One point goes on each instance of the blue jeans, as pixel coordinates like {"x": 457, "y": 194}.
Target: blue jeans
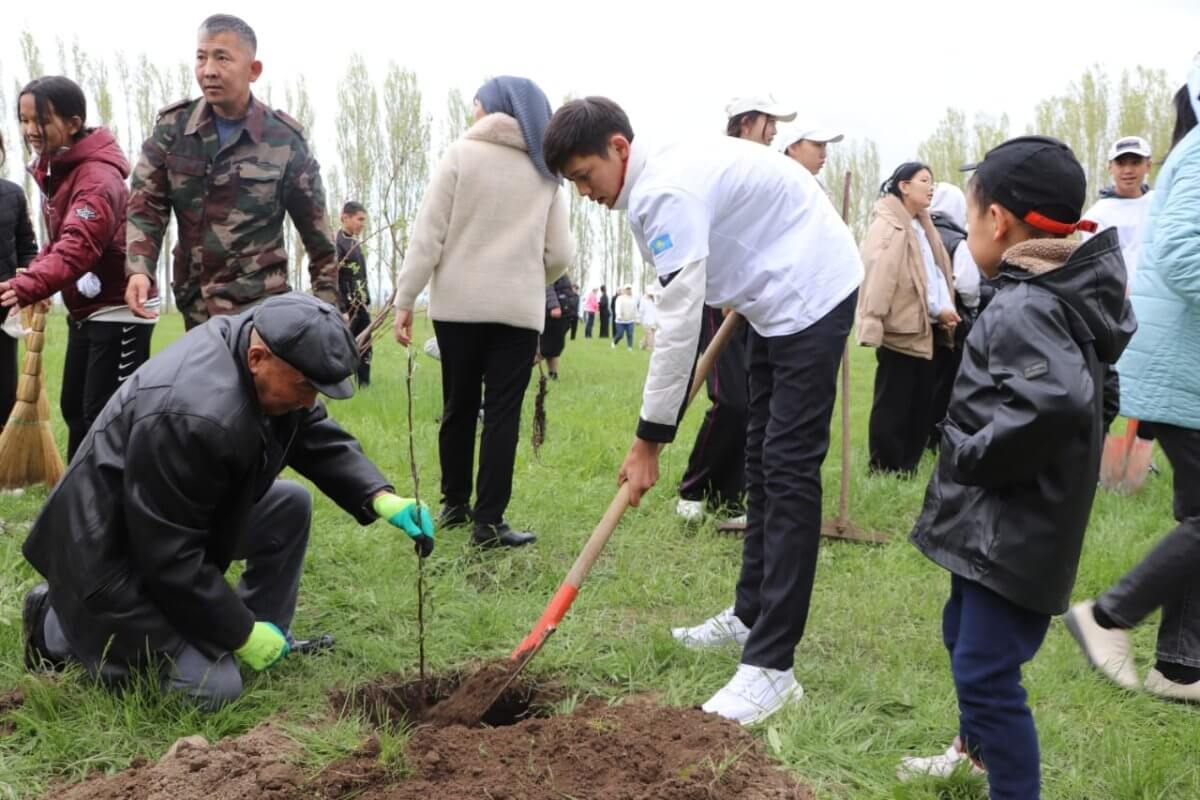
{"x": 623, "y": 329}
{"x": 989, "y": 638}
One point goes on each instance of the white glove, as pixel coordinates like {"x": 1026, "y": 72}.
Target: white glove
{"x": 88, "y": 285}
{"x": 12, "y": 324}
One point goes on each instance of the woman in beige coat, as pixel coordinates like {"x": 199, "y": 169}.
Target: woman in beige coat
{"x": 492, "y": 233}
{"x": 905, "y": 309}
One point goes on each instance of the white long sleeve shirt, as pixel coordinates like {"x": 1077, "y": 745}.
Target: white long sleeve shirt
{"x": 938, "y": 294}
{"x": 737, "y": 227}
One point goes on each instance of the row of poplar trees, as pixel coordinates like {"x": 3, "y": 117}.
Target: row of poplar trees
{"x": 386, "y": 146}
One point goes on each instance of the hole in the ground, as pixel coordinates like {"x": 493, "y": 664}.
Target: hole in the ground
{"x": 391, "y": 701}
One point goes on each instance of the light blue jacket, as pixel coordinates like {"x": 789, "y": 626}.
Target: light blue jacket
{"x": 1160, "y": 370}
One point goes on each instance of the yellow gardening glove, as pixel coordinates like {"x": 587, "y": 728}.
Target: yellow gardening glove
{"x": 266, "y": 647}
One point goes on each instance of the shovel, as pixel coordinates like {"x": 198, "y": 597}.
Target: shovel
{"x": 1125, "y": 461}
{"x": 567, "y": 591}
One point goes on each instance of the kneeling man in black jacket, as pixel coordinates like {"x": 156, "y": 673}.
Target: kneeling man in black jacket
{"x": 1008, "y": 503}
{"x": 177, "y": 478}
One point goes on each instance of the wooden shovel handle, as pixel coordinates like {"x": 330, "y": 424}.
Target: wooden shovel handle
{"x": 565, "y": 596}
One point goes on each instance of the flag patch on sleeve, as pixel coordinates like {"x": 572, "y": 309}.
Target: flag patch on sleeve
{"x": 662, "y": 244}
{"x": 85, "y": 212}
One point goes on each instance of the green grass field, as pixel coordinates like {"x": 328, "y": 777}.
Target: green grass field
{"x": 876, "y": 677}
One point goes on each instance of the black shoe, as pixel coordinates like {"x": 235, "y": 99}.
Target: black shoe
{"x": 33, "y": 622}
{"x": 454, "y": 516}
{"x": 488, "y": 536}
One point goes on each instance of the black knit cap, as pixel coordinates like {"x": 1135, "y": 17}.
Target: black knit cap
{"x": 1039, "y": 180}
{"x": 309, "y": 334}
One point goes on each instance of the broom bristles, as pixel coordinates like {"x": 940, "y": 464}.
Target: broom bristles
{"x": 28, "y": 454}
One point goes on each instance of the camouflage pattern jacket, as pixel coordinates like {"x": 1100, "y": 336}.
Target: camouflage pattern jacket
{"x": 229, "y": 204}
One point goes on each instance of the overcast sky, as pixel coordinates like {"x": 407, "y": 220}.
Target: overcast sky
{"x": 882, "y": 70}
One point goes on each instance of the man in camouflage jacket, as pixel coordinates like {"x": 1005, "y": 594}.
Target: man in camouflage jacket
{"x": 229, "y": 167}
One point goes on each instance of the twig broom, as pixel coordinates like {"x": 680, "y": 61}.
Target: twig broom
{"x": 28, "y": 454}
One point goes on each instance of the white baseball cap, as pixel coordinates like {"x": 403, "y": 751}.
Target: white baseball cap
{"x": 764, "y": 104}
{"x": 1129, "y": 145}
{"x": 786, "y": 138}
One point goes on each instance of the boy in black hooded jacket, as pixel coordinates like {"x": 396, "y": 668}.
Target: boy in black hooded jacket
{"x": 1008, "y": 504}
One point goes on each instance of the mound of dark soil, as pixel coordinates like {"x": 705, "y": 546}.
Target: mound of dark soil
{"x": 627, "y": 752}
{"x": 635, "y": 751}
{"x": 256, "y": 766}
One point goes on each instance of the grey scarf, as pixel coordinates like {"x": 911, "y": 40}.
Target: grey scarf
{"x": 521, "y": 99}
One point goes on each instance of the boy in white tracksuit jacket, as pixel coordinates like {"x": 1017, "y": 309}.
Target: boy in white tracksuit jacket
{"x": 731, "y": 224}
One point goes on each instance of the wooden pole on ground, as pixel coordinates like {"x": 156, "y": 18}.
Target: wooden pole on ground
{"x": 841, "y": 527}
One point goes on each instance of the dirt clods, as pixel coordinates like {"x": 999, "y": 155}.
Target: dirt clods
{"x": 639, "y": 750}
{"x": 625, "y": 752}
{"x": 256, "y": 766}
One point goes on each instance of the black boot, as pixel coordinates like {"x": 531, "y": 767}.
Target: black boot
{"x": 454, "y": 516}
{"x": 501, "y": 535}
{"x": 33, "y": 622}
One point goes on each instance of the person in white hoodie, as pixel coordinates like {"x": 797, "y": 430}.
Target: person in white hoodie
{"x": 730, "y": 224}
{"x": 1126, "y": 203}
{"x": 624, "y": 316}
{"x": 492, "y": 232}
{"x": 948, "y": 211}
{"x": 648, "y": 316}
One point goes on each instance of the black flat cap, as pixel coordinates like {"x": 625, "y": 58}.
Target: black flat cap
{"x": 309, "y": 334}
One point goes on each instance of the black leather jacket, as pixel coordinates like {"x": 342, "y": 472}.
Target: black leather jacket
{"x": 1009, "y": 501}
{"x": 18, "y": 246}
{"x": 136, "y": 537}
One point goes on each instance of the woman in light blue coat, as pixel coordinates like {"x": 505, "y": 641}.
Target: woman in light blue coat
{"x": 1160, "y": 386}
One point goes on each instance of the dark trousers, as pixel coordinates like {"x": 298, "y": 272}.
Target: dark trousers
{"x": 604, "y": 325}
{"x": 8, "y": 374}
{"x": 589, "y": 322}
{"x": 902, "y": 411}
{"x": 1169, "y": 577}
{"x": 272, "y": 540}
{"x": 988, "y": 639}
{"x": 946, "y": 362}
{"x": 495, "y": 361}
{"x": 623, "y": 329}
{"x": 574, "y": 326}
{"x": 716, "y": 468}
{"x": 793, "y": 381}
{"x": 360, "y": 320}
{"x": 100, "y": 356}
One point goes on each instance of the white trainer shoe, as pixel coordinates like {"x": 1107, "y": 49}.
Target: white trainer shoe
{"x": 754, "y": 693}
{"x": 717, "y": 631}
{"x": 1108, "y": 650}
{"x": 939, "y": 766}
{"x": 1161, "y": 686}
{"x": 692, "y": 511}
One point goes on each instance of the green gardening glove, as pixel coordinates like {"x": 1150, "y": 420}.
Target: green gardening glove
{"x": 409, "y": 516}
{"x": 266, "y": 647}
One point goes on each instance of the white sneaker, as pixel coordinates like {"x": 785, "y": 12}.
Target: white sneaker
{"x": 717, "y": 631}
{"x": 691, "y": 510}
{"x": 1161, "y": 686}
{"x": 1108, "y": 650}
{"x": 754, "y": 693}
{"x": 941, "y": 766}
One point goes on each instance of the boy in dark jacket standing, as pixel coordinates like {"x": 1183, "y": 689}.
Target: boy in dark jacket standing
{"x": 1009, "y": 501}
{"x": 353, "y": 292}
